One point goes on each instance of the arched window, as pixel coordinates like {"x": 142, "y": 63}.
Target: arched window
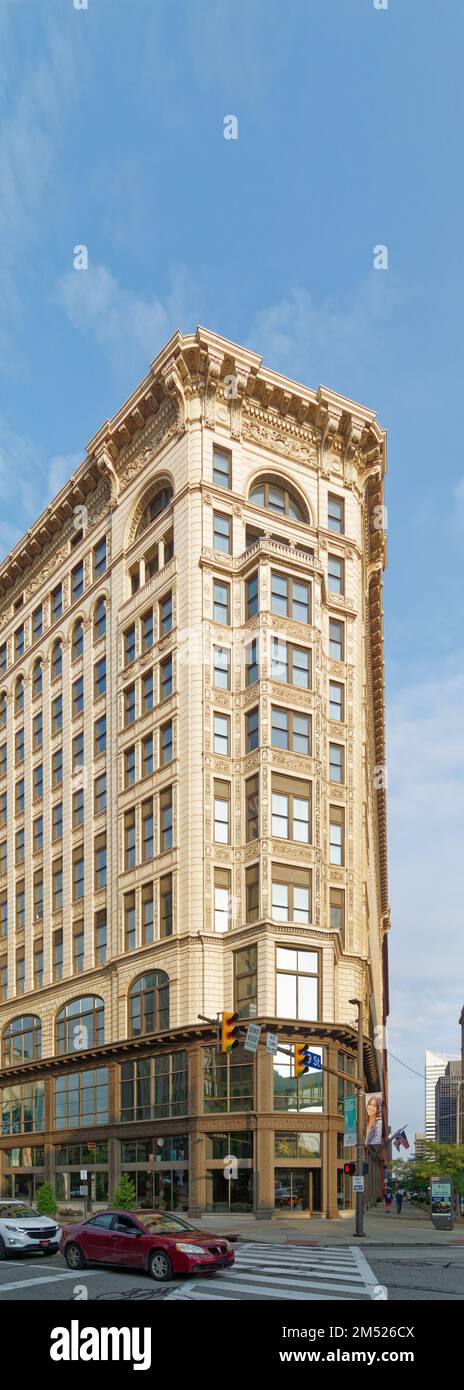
{"x": 19, "y": 696}
{"x": 3, "y": 709}
{"x": 157, "y": 503}
{"x": 149, "y": 1004}
{"x": 276, "y": 496}
{"x": 99, "y": 619}
{"x": 80, "y": 1024}
{"x": 22, "y": 1040}
{"x": 57, "y": 661}
{"x": 77, "y": 640}
{"x": 37, "y": 676}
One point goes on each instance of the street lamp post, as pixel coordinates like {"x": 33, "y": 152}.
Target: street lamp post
{"x": 359, "y": 1122}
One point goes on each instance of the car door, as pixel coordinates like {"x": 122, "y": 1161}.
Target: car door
{"x": 98, "y": 1240}
{"x": 128, "y": 1240}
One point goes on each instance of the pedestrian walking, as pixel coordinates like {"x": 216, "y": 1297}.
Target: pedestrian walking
{"x": 388, "y": 1201}
{"x": 399, "y": 1201}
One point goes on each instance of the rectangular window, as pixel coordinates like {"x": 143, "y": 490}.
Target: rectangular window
{"x": 57, "y": 885}
{"x": 297, "y": 983}
{"x": 166, "y": 820}
{"x": 129, "y": 922}
{"x": 78, "y": 948}
{"x": 3, "y": 857}
{"x": 290, "y": 664}
{"x": 129, "y": 766}
{"x": 291, "y": 731}
{"x": 222, "y": 468}
{"x": 100, "y": 793}
{"x": 165, "y": 614}
{"x": 129, "y": 840}
{"x": 20, "y": 905}
{"x": 222, "y": 532}
{"x": 3, "y": 992}
{"x": 19, "y": 797}
{"x": 166, "y": 678}
{"x": 57, "y": 603}
{"x": 19, "y": 641}
{"x": 337, "y": 910}
{"x": 77, "y": 581}
{"x": 4, "y": 805}
{"x": 19, "y": 846}
{"x": 251, "y": 662}
{"x": 57, "y": 768}
{"x": 147, "y": 831}
{"x": 100, "y": 864}
{"x": 38, "y": 964}
{"x": 221, "y": 734}
{"x": 20, "y": 972}
{"x": 252, "y": 729}
{"x": 37, "y": 623}
{"x": 100, "y": 937}
{"x": 37, "y": 781}
{"x": 99, "y": 558}
{"x": 147, "y": 692}
{"x": 222, "y": 813}
{"x": 228, "y": 1081}
{"x": 129, "y": 645}
{"x": 77, "y": 691}
{"x": 57, "y": 714}
{"x": 77, "y": 752}
{"x": 252, "y": 893}
{"x": 19, "y": 746}
{"x": 147, "y": 915}
{"x": 81, "y": 1099}
{"x": 336, "y": 640}
{"x": 3, "y": 658}
{"x": 290, "y": 598}
{"x": 37, "y": 834}
{"x": 335, "y": 514}
{"x": 291, "y": 894}
{"x": 37, "y": 731}
{"x": 291, "y": 809}
{"x": 3, "y": 913}
{"x": 336, "y": 702}
{"x": 335, "y": 575}
{"x": 246, "y": 982}
{"x": 57, "y": 821}
{"x": 147, "y": 630}
{"x": 147, "y": 756}
{"x": 166, "y": 906}
{"x": 252, "y": 808}
{"x": 221, "y": 668}
{"x": 78, "y": 873}
{"x": 99, "y": 678}
{"x": 222, "y": 900}
{"x": 252, "y": 596}
{"x": 336, "y": 762}
{"x": 3, "y": 760}
{"x": 57, "y": 954}
{"x": 166, "y": 739}
{"x": 221, "y": 602}
{"x": 100, "y": 736}
{"x": 337, "y": 835}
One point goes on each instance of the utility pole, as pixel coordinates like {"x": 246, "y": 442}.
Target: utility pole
{"x": 359, "y": 1122}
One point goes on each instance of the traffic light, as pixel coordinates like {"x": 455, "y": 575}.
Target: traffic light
{"x": 301, "y": 1059}
{"x": 349, "y": 1169}
{"x": 229, "y": 1038}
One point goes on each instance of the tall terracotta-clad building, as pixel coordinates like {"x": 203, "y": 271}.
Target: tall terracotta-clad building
{"x": 192, "y": 795}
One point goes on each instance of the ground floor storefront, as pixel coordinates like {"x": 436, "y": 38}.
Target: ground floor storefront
{"x": 193, "y": 1129}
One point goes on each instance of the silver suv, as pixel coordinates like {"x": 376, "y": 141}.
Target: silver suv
{"x": 23, "y": 1228}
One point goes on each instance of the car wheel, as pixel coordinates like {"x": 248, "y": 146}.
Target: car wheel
{"x": 2, "y": 1249}
{"x": 159, "y": 1266}
{"x": 74, "y": 1257}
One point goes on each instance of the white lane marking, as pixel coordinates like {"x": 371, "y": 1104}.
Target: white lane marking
{"x": 367, "y": 1274}
{"x": 79, "y": 1275}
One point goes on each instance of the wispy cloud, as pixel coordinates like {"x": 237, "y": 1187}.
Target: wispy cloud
{"x": 30, "y": 128}
{"x": 129, "y": 327}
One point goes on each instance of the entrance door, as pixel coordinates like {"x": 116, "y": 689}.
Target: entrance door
{"x": 24, "y": 1186}
{"x": 298, "y": 1189}
{"x": 233, "y": 1195}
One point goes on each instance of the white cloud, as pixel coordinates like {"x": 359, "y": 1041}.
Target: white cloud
{"x": 326, "y": 341}
{"x": 30, "y": 128}
{"x": 129, "y": 327}
{"x": 60, "y": 469}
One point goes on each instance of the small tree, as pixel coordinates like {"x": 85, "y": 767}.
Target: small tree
{"x": 124, "y": 1194}
{"x": 45, "y": 1201}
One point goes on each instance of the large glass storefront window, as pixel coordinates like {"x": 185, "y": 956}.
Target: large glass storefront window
{"x": 81, "y": 1099}
{"x": 158, "y": 1168}
{"x": 23, "y": 1172}
{"x": 155, "y": 1088}
{"x": 298, "y": 1189}
{"x": 23, "y": 1108}
{"x": 228, "y": 1080}
{"x": 70, "y": 1160}
{"x": 297, "y": 1093}
{"x": 229, "y": 1173}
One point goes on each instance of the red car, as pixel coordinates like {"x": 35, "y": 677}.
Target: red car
{"x": 159, "y": 1242}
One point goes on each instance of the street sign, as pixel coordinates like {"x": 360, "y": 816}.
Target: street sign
{"x": 83, "y": 1190}
{"x": 83, "y": 1175}
{"x": 272, "y": 1043}
{"x": 349, "y": 1122}
{"x": 314, "y": 1061}
{"x": 358, "y": 1184}
{"x": 252, "y": 1037}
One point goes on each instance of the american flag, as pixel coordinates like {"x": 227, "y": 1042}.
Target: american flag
{"x": 401, "y": 1141}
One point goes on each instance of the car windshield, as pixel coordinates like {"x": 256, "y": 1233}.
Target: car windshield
{"x": 163, "y": 1223}
{"x": 18, "y": 1210}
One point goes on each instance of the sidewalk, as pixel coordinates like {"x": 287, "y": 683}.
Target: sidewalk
{"x": 411, "y": 1228}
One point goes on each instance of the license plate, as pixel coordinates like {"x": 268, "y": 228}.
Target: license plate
{"x": 44, "y": 1242}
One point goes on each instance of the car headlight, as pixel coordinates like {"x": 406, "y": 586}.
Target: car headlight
{"x": 191, "y": 1249}
{"x": 17, "y": 1229}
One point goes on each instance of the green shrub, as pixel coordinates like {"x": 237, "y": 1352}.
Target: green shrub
{"x": 124, "y": 1194}
{"x": 45, "y": 1201}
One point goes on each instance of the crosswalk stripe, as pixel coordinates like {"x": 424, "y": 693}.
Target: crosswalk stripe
{"x": 269, "y": 1271}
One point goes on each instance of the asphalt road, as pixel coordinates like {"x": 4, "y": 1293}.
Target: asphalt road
{"x": 411, "y": 1274}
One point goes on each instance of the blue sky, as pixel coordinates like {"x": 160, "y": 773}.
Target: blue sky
{"x": 349, "y": 136}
